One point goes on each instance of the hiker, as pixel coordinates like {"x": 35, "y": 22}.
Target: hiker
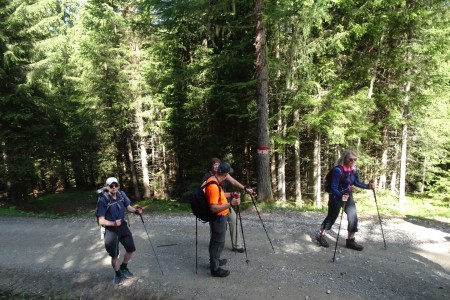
{"x": 111, "y": 215}
{"x": 219, "y": 205}
{"x": 213, "y": 166}
{"x": 341, "y": 191}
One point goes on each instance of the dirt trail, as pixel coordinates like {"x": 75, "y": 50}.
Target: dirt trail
{"x": 65, "y": 259}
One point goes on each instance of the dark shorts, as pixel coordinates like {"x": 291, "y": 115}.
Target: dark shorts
{"x": 116, "y": 235}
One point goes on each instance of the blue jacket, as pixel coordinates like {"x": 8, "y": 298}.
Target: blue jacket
{"x": 113, "y": 209}
{"x": 340, "y": 187}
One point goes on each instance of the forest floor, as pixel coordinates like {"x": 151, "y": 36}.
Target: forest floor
{"x": 65, "y": 259}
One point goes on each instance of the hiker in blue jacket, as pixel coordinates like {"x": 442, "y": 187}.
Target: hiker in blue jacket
{"x": 111, "y": 214}
{"x": 344, "y": 177}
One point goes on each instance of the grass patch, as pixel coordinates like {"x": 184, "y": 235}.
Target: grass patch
{"x": 73, "y": 203}
{"x": 14, "y": 212}
{"x": 50, "y": 201}
{"x": 389, "y": 205}
{"x": 163, "y": 206}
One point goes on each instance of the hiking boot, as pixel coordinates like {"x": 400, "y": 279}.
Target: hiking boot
{"x": 240, "y": 250}
{"x": 321, "y": 239}
{"x": 351, "y": 244}
{"x": 222, "y": 262}
{"x": 126, "y": 273}
{"x": 220, "y": 273}
{"x": 118, "y": 280}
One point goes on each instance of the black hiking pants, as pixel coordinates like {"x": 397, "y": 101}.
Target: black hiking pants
{"x": 217, "y": 241}
{"x": 334, "y": 208}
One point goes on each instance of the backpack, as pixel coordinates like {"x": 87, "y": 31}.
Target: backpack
{"x": 327, "y": 178}
{"x": 200, "y": 205}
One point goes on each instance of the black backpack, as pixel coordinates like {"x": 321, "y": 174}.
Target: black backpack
{"x": 200, "y": 205}
{"x": 327, "y": 178}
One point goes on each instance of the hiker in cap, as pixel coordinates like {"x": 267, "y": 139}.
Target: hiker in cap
{"x": 229, "y": 180}
{"x": 344, "y": 177}
{"x": 111, "y": 215}
{"x": 220, "y": 206}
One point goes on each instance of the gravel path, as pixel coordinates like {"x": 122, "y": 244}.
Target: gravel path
{"x": 65, "y": 259}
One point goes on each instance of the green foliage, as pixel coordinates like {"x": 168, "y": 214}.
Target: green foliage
{"x": 75, "y": 76}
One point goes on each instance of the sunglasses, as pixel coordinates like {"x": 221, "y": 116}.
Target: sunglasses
{"x": 113, "y": 185}
{"x": 352, "y": 159}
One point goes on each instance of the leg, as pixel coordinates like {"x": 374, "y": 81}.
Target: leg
{"x": 112, "y": 247}
{"x": 127, "y": 257}
{"x": 334, "y": 206}
{"x": 128, "y": 243}
{"x": 233, "y": 230}
{"x": 352, "y": 217}
{"x": 216, "y": 245}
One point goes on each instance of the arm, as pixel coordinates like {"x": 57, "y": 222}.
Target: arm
{"x": 336, "y": 183}
{"x": 237, "y": 184}
{"x": 127, "y": 202}
{"x": 216, "y": 208}
{"x": 217, "y": 200}
{"x": 102, "y": 221}
{"x": 360, "y": 184}
{"x": 136, "y": 210}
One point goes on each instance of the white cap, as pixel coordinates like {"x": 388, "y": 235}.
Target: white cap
{"x": 112, "y": 180}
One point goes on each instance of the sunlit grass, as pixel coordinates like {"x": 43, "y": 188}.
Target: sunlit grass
{"x": 388, "y": 205}
{"x": 163, "y": 206}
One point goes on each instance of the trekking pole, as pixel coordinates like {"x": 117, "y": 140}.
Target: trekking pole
{"x": 254, "y": 203}
{"x": 236, "y": 233}
{"x": 337, "y": 238}
{"x": 243, "y": 238}
{"x": 196, "y": 243}
{"x": 381, "y": 225}
{"x": 154, "y": 252}
{"x": 116, "y": 252}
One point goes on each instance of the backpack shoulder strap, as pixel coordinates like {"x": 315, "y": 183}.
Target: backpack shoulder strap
{"x": 342, "y": 172}
{"x": 120, "y": 196}
{"x": 108, "y": 201}
{"x": 213, "y": 182}
{"x": 209, "y": 183}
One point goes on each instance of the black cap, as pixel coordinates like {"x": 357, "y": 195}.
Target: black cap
{"x": 225, "y": 168}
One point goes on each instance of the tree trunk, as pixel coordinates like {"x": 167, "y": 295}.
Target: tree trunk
{"x": 317, "y": 175}
{"x": 394, "y": 190}
{"x": 422, "y": 188}
{"x": 281, "y": 169}
{"x": 133, "y": 172}
{"x": 78, "y": 172}
{"x": 135, "y": 60}
{"x": 402, "y": 185}
{"x": 264, "y": 183}
{"x": 298, "y": 186}
{"x": 384, "y": 162}
{"x": 143, "y": 150}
